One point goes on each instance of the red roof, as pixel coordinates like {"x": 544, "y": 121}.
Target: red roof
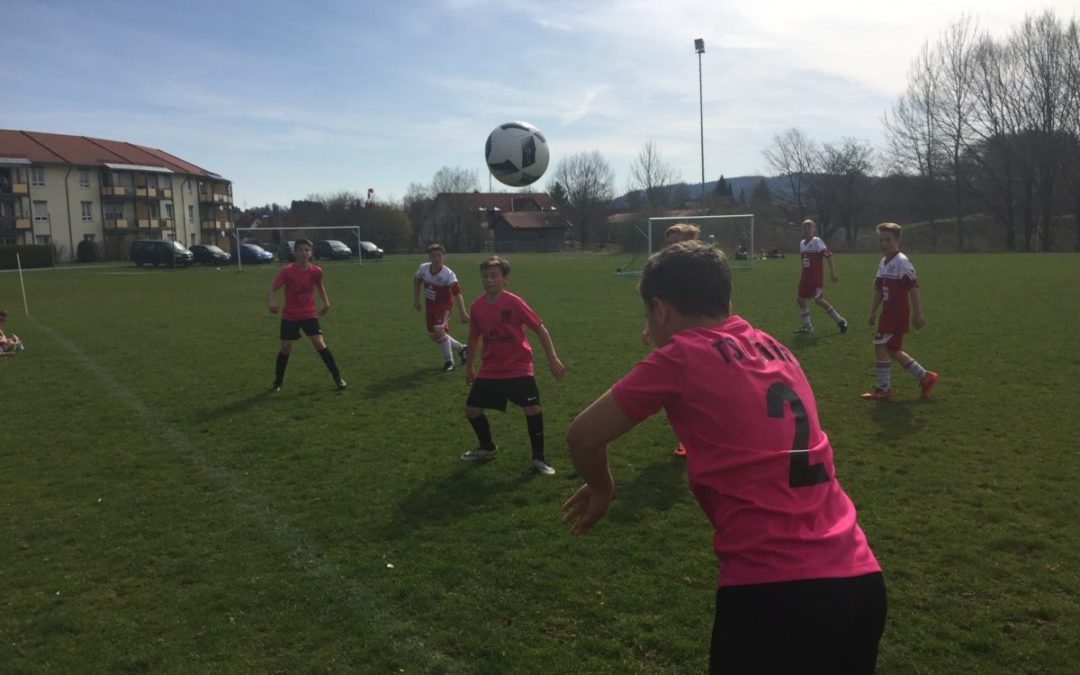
{"x": 533, "y": 220}
{"x": 45, "y": 148}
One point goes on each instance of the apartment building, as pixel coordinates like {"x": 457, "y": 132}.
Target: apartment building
{"x": 59, "y": 189}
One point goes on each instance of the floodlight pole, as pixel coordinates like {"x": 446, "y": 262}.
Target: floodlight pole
{"x": 699, "y": 47}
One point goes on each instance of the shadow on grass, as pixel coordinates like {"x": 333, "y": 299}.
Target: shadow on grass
{"x": 401, "y": 382}
{"x": 237, "y": 406}
{"x": 658, "y": 487}
{"x": 893, "y": 418}
{"x": 468, "y": 489}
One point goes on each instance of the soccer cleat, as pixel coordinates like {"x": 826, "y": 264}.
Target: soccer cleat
{"x": 679, "y": 451}
{"x": 878, "y": 394}
{"x": 479, "y": 454}
{"x": 926, "y": 384}
{"x": 543, "y": 467}
{"x": 448, "y": 366}
{"x": 464, "y": 354}
{"x": 805, "y": 329}
{"x": 341, "y": 384}
{"x": 276, "y": 386}
{"x": 843, "y": 327}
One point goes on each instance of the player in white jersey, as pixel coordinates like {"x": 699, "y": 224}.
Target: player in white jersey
{"x": 441, "y": 290}
{"x": 813, "y": 252}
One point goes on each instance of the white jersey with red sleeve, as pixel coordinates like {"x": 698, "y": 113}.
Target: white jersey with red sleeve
{"x": 758, "y": 461}
{"x": 439, "y": 286}
{"x": 895, "y": 278}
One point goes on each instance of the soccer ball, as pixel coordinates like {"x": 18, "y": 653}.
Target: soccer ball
{"x": 516, "y": 153}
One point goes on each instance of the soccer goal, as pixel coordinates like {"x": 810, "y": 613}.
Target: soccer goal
{"x": 733, "y": 234}
{"x": 285, "y": 230}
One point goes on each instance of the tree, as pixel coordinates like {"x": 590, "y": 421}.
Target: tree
{"x": 652, "y": 176}
{"x": 792, "y": 156}
{"x": 454, "y": 224}
{"x": 588, "y": 181}
{"x": 723, "y": 196}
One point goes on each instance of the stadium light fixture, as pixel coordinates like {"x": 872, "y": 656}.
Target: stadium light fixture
{"x": 699, "y": 47}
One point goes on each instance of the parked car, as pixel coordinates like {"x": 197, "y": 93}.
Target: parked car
{"x": 209, "y": 254}
{"x": 250, "y": 254}
{"x": 160, "y": 252}
{"x": 332, "y": 249}
{"x": 370, "y": 250}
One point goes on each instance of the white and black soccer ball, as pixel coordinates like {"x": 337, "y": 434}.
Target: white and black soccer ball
{"x": 516, "y": 154}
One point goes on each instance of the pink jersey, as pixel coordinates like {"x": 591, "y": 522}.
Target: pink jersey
{"x": 299, "y": 290}
{"x": 813, "y": 251}
{"x": 895, "y": 277}
{"x": 440, "y": 286}
{"x": 501, "y": 324}
{"x": 758, "y": 462}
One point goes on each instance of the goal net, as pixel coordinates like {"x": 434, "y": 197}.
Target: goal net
{"x": 733, "y": 234}
{"x": 350, "y": 236}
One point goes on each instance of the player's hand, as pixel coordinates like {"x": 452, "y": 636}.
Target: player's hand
{"x": 324, "y": 310}
{"x": 416, "y": 305}
{"x": 918, "y": 321}
{"x": 585, "y": 508}
{"x": 835, "y": 278}
{"x": 871, "y": 320}
{"x": 558, "y": 369}
{"x": 470, "y": 374}
{"x": 274, "y": 309}
{"x": 464, "y": 318}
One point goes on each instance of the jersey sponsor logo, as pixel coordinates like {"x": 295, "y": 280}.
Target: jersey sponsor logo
{"x": 506, "y": 315}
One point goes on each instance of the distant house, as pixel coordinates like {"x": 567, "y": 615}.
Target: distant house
{"x": 505, "y": 222}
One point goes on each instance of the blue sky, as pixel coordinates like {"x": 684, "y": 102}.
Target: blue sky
{"x": 287, "y": 100}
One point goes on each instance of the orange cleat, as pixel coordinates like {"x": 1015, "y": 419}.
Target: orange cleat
{"x": 679, "y": 451}
{"x": 877, "y": 394}
{"x": 926, "y": 385}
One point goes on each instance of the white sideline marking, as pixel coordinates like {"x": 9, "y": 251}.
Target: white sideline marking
{"x": 306, "y": 556}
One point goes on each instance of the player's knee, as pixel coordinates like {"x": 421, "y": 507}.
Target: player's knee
{"x": 473, "y": 413}
{"x": 531, "y": 410}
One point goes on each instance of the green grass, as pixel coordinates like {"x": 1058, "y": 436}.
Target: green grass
{"x": 159, "y": 511}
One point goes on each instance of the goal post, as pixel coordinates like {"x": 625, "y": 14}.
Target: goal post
{"x": 240, "y": 265}
{"x": 733, "y": 234}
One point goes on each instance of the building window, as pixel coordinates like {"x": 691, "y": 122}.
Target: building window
{"x": 114, "y": 211}
{"x": 84, "y": 178}
{"x": 37, "y": 176}
{"x": 191, "y": 214}
{"x": 87, "y": 211}
{"x": 43, "y": 239}
{"x": 169, "y": 211}
{"x": 41, "y": 212}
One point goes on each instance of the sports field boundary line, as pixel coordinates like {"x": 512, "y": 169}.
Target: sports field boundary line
{"x": 402, "y": 637}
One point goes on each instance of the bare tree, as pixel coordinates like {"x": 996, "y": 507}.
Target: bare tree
{"x": 913, "y": 136}
{"x": 651, "y": 175}
{"x": 589, "y": 184}
{"x": 1072, "y": 120}
{"x": 453, "y": 222}
{"x": 841, "y": 187}
{"x": 792, "y": 156}
{"x": 954, "y": 104}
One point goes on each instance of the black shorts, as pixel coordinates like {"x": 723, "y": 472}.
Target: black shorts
{"x": 809, "y": 626}
{"x": 488, "y": 393}
{"x": 290, "y": 329}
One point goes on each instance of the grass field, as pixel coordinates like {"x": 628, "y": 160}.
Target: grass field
{"x": 161, "y": 511}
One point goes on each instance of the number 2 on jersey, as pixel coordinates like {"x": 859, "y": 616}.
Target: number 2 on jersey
{"x": 801, "y": 472}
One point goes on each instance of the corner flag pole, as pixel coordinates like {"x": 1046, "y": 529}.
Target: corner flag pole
{"x": 26, "y": 307}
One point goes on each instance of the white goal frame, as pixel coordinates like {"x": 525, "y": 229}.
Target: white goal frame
{"x": 238, "y": 230}
{"x": 667, "y": 221}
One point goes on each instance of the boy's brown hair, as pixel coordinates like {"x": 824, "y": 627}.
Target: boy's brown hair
{"x": 891, "y": 228}
{"x": 303, "y": 242}
{"x": 693, "y": 278}
{"x": 496, "y": 261}
{"x": 686, "y": 231}
{"x": 436, "y": 247}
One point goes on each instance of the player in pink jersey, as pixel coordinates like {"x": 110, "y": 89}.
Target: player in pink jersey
{"x": 441, "y": 289}
{"x": 811, "y": 284}
{"x": 799, "y": 589}
{"x": 894, "y": 285}
{"x": 301, "y": 280}
{"x": 499, "y": 318}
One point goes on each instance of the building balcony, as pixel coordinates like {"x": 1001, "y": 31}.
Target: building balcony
{"x": 8, "y": 188}
{"x": 155, "y": 223}
{"x": 117, "y": 224}
{"x": 216, "y": 225}
{"x": 117, "y": 191}
{"x": 215, "y": 198}
{"x": 14, "y": 223}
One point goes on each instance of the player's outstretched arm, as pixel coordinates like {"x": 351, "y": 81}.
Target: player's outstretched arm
{"x": 416, "y": 292}
{"x": 470, "y": 365}
{"x": 557, "y": 367}
{"x": 587, "y": 439}
{"x": 462, "y": 313}
{"x": 832, "y": 269}
{"x": 873, "y": 308}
